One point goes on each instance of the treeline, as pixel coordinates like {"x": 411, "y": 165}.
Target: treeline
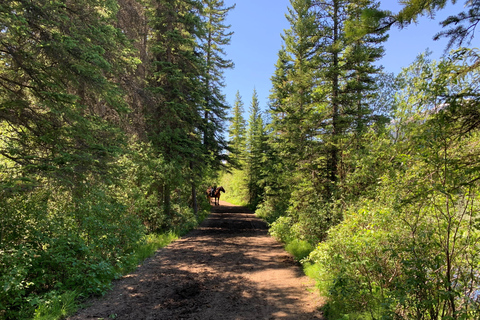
{"x": 370, "y": 179}
{"x": 110, "y": 124}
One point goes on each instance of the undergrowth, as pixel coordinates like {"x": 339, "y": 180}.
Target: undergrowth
{"x": 59, "y": 305}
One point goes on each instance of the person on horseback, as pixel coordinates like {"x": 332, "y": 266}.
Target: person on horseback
{"x": 212, "y": 192}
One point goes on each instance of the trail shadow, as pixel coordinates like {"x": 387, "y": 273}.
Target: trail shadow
{"x": 214, "y": 272}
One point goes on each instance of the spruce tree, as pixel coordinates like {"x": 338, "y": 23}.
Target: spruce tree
{"x": 255, "y": 147}
{"x": 216, "y": 36}
{"x": 298, "y": 112}
{"x": 319, "y": 105}
{"x": 237, "y": 131}
{"x": 345, "y": 76}
{"x": 293, "y": 102}
{"x": 58, "y": 102}
{"x": 174, "y": 121}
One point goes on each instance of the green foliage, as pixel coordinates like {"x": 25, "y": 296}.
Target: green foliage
{"x": 411, "y": 251}
{"x": 216, "y": 37}
{"x": 300, "y": 249}
{"x": 255, "y": 144}
{"x": 77, "y": 81}
{"x": 152, "y": 243}
{"x": 235, "y": 185}
{"x": 237, "y": 131}
{"x": 354, "y": 265}
{"x": 322, "y": 117}
{"x": 58, "y": 307}
{"x": 282, "y": 230}
{"x": 65, "y": 244}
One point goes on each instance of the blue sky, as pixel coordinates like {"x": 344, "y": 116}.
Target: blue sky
{"x": 258, "y": 24}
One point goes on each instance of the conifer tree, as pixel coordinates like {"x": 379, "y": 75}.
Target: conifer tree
{"x": 346, "y": 75}
{"x": 58, "y": 104}
{"x": 293, "y": 102}
{"x": 237, "y": 130}
{"x": 331, "y": 16}
{"x": 174, "y": 121}
{"x": 255, "y": 147}
{"x": 297, "y": 111}
{"x": 278, "y": 167}
{"x": 216, "y": 36}
{"x": 319, "y": 106}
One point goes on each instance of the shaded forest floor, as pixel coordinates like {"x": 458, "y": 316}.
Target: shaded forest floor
{"x": 227, "y": 268}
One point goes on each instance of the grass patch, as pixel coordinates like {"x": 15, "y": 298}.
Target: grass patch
{"x": 312, "y": 270}
{"x": 58, "y": 307}
{"x": 153, "y": 242}
{"x": 234, "y": 201}
{"x": 299, "y": 248}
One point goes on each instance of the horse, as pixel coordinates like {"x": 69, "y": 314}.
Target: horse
{"x": 216, "y": 194}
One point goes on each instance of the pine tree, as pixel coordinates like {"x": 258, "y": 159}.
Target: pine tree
{"x": 319, "y": 105}
{"x": 331, "y": 17}
{"x": 174, "y": 121}
{"x": 362, "y": 52}
{"x": 237, "y": 131}
{"x": 298, "y": 112}
{"x": 58, "y": 103}
{"x": 216, "y": 37}
{"x": 255, "y": 146}
{"x": 293, "y": 103}
{"x": 346, "y": 76}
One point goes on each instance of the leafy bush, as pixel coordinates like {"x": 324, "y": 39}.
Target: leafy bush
{"x": 281, "y": 229}
{"x": 354, "y": 265}
{"x": 62, "y": 245}
{"x": 394, "y": 264}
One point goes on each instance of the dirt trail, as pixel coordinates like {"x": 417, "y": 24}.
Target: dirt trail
{"x": 227, "y": 268}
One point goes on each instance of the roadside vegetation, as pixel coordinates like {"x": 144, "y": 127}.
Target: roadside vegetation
{"x": 109, "y": 111}
{"x": 370, "y": 179}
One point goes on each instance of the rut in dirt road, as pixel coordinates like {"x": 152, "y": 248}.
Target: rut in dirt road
{"x": 227, "y": 268}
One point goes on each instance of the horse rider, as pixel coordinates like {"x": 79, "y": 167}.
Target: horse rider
{"x": 212, "y": 192}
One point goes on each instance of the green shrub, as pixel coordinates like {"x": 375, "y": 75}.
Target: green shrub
{"x": 382, "y": 263}
{"x": 281, "y": 229}
{"x": 300, "y": 249}
{"x": 354, "y": 267}
{"x": 62, "y": 245}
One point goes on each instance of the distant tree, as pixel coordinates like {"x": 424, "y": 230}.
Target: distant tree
{"x": 237, "y": 130}
{"x": 255, "y": 146}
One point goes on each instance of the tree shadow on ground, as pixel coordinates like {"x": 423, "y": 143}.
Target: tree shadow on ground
{"x": 208, "y": 275}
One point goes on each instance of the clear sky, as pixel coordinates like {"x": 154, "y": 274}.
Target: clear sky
{"x": 258, "y": 24}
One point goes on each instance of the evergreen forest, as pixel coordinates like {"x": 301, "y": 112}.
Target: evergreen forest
{"x": 113, "y": 124}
